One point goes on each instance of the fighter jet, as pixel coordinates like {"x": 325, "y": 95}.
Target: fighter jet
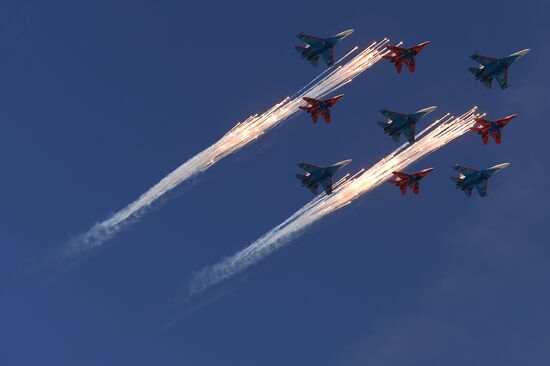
{"x": 494, "y": 68}
{"x": 487, "y": 128}
{"x": 402, "y": 123}
{"x": 405, "y": 56}
{"x": 470, "y": 178}
{"x": 402, "y": 180}
{"x": 319, "y": 175}
{"x": 320, "y": 47}
{"x": 322, "y": 107}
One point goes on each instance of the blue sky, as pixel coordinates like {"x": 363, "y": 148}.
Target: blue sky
{"x": 102, "y": 99}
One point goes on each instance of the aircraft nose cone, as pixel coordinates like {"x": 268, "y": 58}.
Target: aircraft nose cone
{"x": 521, "y": 53}
{"x": 428, "y": 110}
{"x": 344, "y": 163}
{"x": 501, "y": 166}
{"x": 345, "y": 33}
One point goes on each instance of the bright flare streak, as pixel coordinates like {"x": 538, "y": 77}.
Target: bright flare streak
{"x": 437, "y": 135}
{"x": 238, "y": 137}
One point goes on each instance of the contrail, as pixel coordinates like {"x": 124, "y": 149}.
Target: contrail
{"x": 238, "y": 137}
{"x": 346, "y": 190}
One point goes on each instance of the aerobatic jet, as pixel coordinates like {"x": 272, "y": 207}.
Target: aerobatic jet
{"x": 405, "y": 56}
{"x": 402, "y": 180}
{"x": 402, "y": 123}
{"x": 322, "y": 107}
{"x": 471, "y": 178}
{"x": 493, "y": 129}
{"x": 320, "y": 47}
{"x": 494, "y": 68}
{"x": 319, "y": 175}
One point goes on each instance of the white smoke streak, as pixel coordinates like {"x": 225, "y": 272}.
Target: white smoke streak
{"x": 438, "y": 134}
{"x": 238, "y": 137}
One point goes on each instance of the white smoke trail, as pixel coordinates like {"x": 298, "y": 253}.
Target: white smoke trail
{"x": 346, "y": 190}
{"x": 238, "y": 137}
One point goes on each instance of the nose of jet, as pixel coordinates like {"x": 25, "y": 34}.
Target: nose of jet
{"x": 428, "y": 110}
{"x": 424, "y": 44}
{"x": 498, "y": 167}
{"x": 343, "y": 163}
{"x": 345, "y": 33}
{"x": 521, "y": 53}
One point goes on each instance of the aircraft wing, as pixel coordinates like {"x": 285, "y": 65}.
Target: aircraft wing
{"x": 391, "y": 115}
{"x": 310, "y": 168}
{"x": 482, "y": 188}
{"x": 464, "y": 170}
{"x": 502, "y": 78}
{"x": 408, "y": 131}
{"x": 483, "y": 121}
{"x": 311, "y": 101}
{"x": 395, "y": 49}
{"x": 483, "y": 60}
{"x": 328, "y": 56}
{"x": 401, "y": 175}
{"x": 327, "y": 184}
{"x": 310, "y": 40}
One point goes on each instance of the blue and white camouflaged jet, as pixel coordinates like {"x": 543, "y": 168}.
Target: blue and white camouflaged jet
{"x": 319, "y": 175}
{"x": 494, "y": 68}
{"x": 471, "y": 178}
{"x": 403, "y": 123}
{"x": 320, "y": 47}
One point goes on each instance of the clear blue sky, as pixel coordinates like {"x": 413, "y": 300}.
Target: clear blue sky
{"x": 100, "y": 99}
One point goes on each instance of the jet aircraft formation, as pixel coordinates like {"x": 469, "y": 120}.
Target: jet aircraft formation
{"x": 400, "y": 123}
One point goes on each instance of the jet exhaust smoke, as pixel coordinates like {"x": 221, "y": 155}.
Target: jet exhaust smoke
{"x": 346, "y": 190}
{"x": 238, "y": 137}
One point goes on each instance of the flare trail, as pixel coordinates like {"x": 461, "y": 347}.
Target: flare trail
{"x": 238, "y": 137}
{"x": 348, "y": 189}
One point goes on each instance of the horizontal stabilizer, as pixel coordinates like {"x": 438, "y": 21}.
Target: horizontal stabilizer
{"x": 301, "y": 177}
{"x": 383, "y": 124}
{"x": 474, "y": 70}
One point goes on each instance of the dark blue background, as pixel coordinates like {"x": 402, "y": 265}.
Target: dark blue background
{"x": 99, "y": 100}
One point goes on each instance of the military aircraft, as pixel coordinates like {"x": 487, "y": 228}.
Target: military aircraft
{"x": 320, "y": 47}
{"x": 487, "y": 128}
{"x": 494, "y": 68}
{"x": 322, "y": 107}
{"x": 402, "y": 180}
{"x": 470, "y": 178}
{"x": 405, "y": 56}
{"x": 402, "y": 123}
{"x": 319, "y": 175}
